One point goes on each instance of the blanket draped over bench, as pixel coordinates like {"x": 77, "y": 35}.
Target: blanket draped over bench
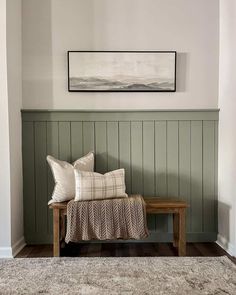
{"x": 123, "y": 218}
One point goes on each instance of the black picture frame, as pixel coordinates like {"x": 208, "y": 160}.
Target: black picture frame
{"x": 173, "y": 89}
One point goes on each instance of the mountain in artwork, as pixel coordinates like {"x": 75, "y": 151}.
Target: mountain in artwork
{"x": 120, "y": 83}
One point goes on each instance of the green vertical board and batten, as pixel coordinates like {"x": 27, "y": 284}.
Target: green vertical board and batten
{"x": 216, "y": 174}
{"x": 64, "y": 141}
{"x": 164, "y": 153}
{"x": 112, "y": 145}
{"x": 101, "y": 147}
{"x": 88, "y": 137}
{"x": 172, "y": 159}
{"x": 149, "y": 165}
{"x": 172, "y": 164}
{"x": 196, "y": 176}
{"x": 185, "y": 164}
{"x": 161, "y": 169}
{"x": 76, "y": 133}
{"x": 208, "y": 176}
{"x": 125, "y": 152}
{"x": 29, "y": 179}
{"x": 52, "y": 149}
{"x": 40, "y": 143}
{"x": 137, "y": 157}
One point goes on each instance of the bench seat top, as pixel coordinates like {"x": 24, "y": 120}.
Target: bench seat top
{"x": 151, "y": 202}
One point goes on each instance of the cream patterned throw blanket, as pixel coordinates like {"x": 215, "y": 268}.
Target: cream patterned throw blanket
{"x": 123, "y": 218}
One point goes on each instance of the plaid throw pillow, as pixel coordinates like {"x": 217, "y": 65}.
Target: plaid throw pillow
{"x": 95, "y": 186}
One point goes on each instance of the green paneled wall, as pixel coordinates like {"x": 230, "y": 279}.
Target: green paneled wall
{"x": 164, "y": 153}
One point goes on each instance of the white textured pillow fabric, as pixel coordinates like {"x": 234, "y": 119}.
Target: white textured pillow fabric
{"x": 96, "y": 186}
{"x": 63, "y": 173}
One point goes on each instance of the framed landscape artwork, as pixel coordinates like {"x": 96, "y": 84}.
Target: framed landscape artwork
{"x": 120, "y": 71}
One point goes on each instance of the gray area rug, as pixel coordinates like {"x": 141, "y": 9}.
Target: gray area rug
{"x": 125, "y": 275}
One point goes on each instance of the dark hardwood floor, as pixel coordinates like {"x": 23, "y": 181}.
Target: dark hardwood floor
{"x": 123, "y": 249}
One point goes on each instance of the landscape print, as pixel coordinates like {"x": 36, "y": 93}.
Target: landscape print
{"x": 121, "y": 71}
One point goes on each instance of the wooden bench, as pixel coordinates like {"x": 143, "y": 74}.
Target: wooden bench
{"x": 153, "y": 206}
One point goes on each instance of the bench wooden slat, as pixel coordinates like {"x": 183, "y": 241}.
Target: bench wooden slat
{"x": 154, "y": 202}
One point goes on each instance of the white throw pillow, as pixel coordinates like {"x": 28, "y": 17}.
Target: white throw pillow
{"x": 63, "y": 173}
{"x": 95, "y": 186}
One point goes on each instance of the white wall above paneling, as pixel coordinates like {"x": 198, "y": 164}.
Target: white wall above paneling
{"x": 227, "y": 103}
{"x": 5, "y": 190}
{"x": 51, "y": 27}
{"x": 14, "y": 76}
{"x": 11, "y": 191}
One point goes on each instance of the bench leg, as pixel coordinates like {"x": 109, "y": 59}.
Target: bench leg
{"x": 175, "y": 229}
{"x": 182, "y": 234}
{"x": 56, "y": 232}
{"x": 63, "y": 230}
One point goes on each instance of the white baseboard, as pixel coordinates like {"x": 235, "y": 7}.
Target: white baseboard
{"x": 10, "y": 252}
{"x": 6, "y": 252}
{"x": 226, "y": 245}
{"x": 18, "y": 246}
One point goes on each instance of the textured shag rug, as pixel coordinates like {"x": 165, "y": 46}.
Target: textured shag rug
{"x": 124, "y": 275}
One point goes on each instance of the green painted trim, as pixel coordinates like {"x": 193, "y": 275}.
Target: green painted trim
{"x": 154, "y": 237}
{"x": 39, "y": 239}
{"x": 165, "y": 153}
{"x": 119, "y": 115}
{"x": 115, "y": 110}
